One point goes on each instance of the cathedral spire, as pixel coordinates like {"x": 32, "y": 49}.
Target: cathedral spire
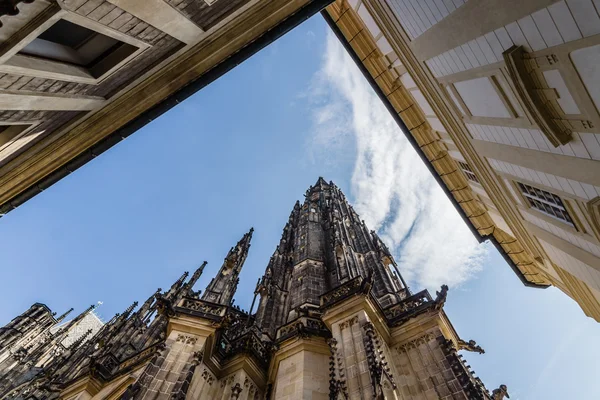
{"x": 63, "y": 316}
{"x": 197, "y": 274}
{"x": 82, "y": 315}
{"x": 176, "y": 286}
{"x": 222, "y": 288}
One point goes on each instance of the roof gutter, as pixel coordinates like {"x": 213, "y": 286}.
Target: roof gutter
{"x": 481, "y": 238}
{"x": 171, "y": 101}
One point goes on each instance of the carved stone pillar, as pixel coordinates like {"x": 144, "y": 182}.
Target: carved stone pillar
{"x": 361, "y": 365}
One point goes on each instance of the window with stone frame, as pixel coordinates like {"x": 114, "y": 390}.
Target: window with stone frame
{"x": 466, "y": 168}
{"x": 546, "y": 202}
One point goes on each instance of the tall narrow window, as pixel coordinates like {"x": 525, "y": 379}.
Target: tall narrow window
{"x": 468, "y": 171}
{"x": 546, "y": 202}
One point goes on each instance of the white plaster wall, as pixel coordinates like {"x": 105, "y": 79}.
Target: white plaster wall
{"x": 582, "y": 145}
{"x": 417, "y": 16}
{"x": 559, "y": 23}
{"x": 563, "y": 234}
{"x": 587, "y": 63}
{"x": 577, "y": 268}
{"x": 565, "y": 99}
{"x": 481, "y": 98}
{"x": 582, "y": 190}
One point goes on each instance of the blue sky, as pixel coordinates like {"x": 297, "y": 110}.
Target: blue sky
{"x": 238, "y": 154}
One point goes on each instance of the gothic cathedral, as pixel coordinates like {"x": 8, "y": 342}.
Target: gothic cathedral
{"x": 335, "y": 320}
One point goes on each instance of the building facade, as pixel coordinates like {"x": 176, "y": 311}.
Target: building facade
{"x": 37, "y": 336}
{"x": 335, "y": 320}
{"x": 79, "y": 76}
{"x": 501, "y": 99}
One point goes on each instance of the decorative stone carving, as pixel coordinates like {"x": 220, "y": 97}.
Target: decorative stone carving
{"x": 500, "y": 393}
{"x": 348, "y": 323}
{"x": 337, "y": 376}
{"x": 413, "y": 344}
{"x": 341, "y": 292}
{"x": 378, "y": 366}
{"x": 202, "y": 307}
{"x": 440, "y": 298}
{"x": 471, "y": 345}
{"x": 250, "y": 386}
{"x": 186, "y": 339}
{"x": 520, "y": 73}
{"x": 207, "y": 376}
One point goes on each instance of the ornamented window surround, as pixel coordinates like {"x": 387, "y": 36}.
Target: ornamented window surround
{"x": 13, "y": 63}
{"x": 578, "y": 228}
{"x": 590, "y": 238}
{"x": 560, "y": 193}
{"x": 563, "y": 204}
{"x": 553, "y": 58}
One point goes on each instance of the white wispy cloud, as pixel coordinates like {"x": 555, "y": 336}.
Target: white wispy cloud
{"x": 392, "y": 190}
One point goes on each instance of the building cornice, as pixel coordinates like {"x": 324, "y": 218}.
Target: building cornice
{"x": 407, "y": 114}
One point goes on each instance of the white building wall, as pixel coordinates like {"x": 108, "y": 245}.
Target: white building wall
{"x": 582, "y": 145}
{"x": 559, "y": 23}
{"x": 578, "y": 189}
{"x": 417, "y": 16}
{"x": 574, "y": 266}
{"x": 576, "y": 240}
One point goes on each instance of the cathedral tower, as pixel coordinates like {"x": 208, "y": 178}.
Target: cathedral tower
{"x": 335, "y": 320}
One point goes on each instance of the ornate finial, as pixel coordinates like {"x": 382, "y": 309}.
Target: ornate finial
{"x": 80, "y": 339}
{"x": 130, "y": 309}
{"x": 500, "y": 393}
{"x": 63, "y": 316}
{"x": 196, "y": 276}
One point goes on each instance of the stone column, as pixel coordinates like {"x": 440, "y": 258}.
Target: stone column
{"x": 360, "y": 365}
{"x": 300, "y": 369}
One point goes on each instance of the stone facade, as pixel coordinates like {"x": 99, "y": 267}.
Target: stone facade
{"x": 500, "y": 99}
{"x": 334, "y": 321}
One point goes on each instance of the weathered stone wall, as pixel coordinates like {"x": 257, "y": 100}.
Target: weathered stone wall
{"x": 206, "y": 386}
{"x": 303, "y": 375}
{"x": 430, "y": 368}
{"x": 164, "y": 376}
